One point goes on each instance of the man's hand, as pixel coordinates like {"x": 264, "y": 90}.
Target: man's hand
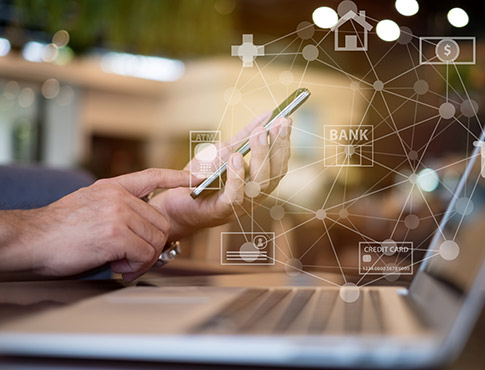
{"x": 105, "y": 222}
{"x": 268, "y": 165}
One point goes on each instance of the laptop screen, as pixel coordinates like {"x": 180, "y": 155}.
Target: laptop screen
{"x": 458, "y": 248}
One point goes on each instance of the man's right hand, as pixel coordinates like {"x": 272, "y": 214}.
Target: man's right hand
{"x": 105, "y": 222}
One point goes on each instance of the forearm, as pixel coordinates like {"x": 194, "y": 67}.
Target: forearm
{"x": 18, "y": 249}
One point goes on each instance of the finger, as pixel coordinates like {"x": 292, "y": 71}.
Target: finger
{"x": 235, "y": 142}
{"x": 151, "y": 212}
{"x": 135, "y": 254}
{"x": 156, "y": 237}
{"x": 144, "y": 182}
{"x": 259, "y": 167}
{"x": 279, "y": 135}
{"x": 233, "y": 194}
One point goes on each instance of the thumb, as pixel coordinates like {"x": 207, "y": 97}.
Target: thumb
{"x": 144, "y": 182}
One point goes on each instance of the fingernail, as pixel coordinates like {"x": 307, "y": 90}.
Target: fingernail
{"x": 237, "y": 162}
{"x": 263, "y": 138}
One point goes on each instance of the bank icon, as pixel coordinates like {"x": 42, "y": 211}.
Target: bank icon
{"x": 247, "y": 248}
{"x": 348, "y": 146}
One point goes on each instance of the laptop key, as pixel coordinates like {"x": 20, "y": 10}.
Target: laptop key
{"x": 323, "y": 308}
{"x": 294, "y": 308}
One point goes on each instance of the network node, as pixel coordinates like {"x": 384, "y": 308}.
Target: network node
{"x": 447, "y": 110}
{"x": 389, "y": 247}
{"x": 421, "y": 87}
{"x": 395, "y": 274}
{"x": 249, "y": 252}
{"x": 345, "y": 6}
{"x": 413, "y": 155}
{"x": 286, "y": 78}
{"x": 354, "y": 85}
{"x": 343, "y": 213}
{"x": 310, "y": 52}
{"x": 349, "y": 292}
{"x": 277, "y": 212}
{"x": 305, "y": 30}
{"x": 247, "y": 51}
{"x": 293, "y": 267}
{"x": 321, "y": 214}
{"x": 411, "y": 221}
{"x": 469, "y": 108}
{"x": 406, "y": 35}
{"x": 413, "y": 178}
{"x": 464, "y": 206}
{"x": 252, "y": 189}
{"x": 378, "y": 85}
{"x": 449, "y": 250}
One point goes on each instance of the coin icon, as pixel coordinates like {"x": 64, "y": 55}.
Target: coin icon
{"x": 447, "y": 50}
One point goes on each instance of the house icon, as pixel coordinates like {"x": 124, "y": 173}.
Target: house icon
{"x": 353, "y": 41}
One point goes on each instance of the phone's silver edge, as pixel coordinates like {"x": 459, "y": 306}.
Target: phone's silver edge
{"x": 245, "y": 147}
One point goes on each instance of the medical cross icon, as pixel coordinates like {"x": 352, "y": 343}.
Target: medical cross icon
{"x": 247, "y": 51}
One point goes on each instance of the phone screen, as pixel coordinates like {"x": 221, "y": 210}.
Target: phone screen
{"x": 286, "y": 108}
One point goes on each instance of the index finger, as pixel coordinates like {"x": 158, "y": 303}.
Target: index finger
{"x": 144, "y": 182}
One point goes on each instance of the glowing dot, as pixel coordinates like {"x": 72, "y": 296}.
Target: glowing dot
{"x": 447, "y": 110}
{"x": 394, "y": 273}
{"x": 277, "y": 212}
{"x": 469, "y": 108}
{"x": 388, "y": 30}
{"x": 428, "y": 180}
{"x": 406, "y": 36}
{"x": 50, "y": 88}
{"x": 349, "y": 292}
{"x": 305, "y": 30}
{"x": 464, "y": 206}
{"x": 407, "y": 7}
{"x": 293, "y": 267}
{"x": 205, "y": 152}
{"x": 286, "y": 78}
{"x": 252, "y": 189}
{"x": 449, "y": 250}
{"x": 354, "y": 86}
{"x": 343, "y": 213}
{"x": 4, "y": 47}
{"x": 11, "y": 89}
{"x": 345, "y": 6}
{"x": 413, "y": 178}
{"x": 60, "y": 38}
{"x": 26, "y": 97}
{"x": 325, "y": 17}
{"x": 458, "y": 17}
{"x": 378, "y": 85}
{"x": 413, "y": 155}
{"x": 252, "y": 252}
{"x": 320, "y": 214}
{"x": 411, "y": 221}
{"x": 421, "y": 87}
{"x": 310, "y": 52}
{"x": 389, "y": 247}
{"x": 50, "y": 53}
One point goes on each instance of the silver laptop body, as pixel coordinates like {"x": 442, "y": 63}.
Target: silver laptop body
{"x": 279, "y": 324}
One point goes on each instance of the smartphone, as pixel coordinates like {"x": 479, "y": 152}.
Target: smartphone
{"x": 291, "y": 103}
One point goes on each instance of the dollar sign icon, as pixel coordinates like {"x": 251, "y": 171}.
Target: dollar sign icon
{"x": 447, "y": 50}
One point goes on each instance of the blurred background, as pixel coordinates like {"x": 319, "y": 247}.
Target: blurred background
{"x": 116, "y": 86}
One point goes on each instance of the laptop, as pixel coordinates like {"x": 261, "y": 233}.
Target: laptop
{"x": 424, "y": 325}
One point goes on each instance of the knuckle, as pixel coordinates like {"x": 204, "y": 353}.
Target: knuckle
{"x": 114, "y": 230}
{"x": 147, "y": 253}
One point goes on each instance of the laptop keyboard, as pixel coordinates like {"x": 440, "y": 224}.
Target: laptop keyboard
{"x": 296, "y": 311}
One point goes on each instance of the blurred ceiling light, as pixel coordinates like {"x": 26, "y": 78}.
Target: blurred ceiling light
{"x": 388, "y": 30}
{"x": 458, "y": 17}
{"x": 4, "y": 46}
{"x": 225, "y": 6}
{"x": 50, "y": 53}
{"x": 407, "y": 7}
{"x": 140, "y": 66}
{"x": 60, "y": 38}
{"x": 26, "y": 97}
{"x": 325, "y": 17}
{"x": 428, "y": 180}
{"x": 50, "y": 88}
{"x": 11, "y": 90}
{"x": 33, "y": 51}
